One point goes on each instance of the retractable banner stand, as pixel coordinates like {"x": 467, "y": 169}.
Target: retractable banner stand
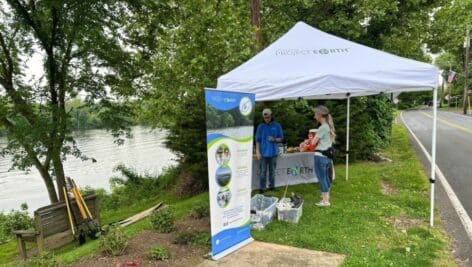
{"x": 230, "y": 130}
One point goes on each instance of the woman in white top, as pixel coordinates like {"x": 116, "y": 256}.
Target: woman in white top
{"x": 324, "y": 139}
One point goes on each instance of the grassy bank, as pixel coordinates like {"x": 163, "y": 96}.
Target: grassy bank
{"x": 378, "y": 218}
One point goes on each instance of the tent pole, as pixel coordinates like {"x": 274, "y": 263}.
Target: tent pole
{"x": 347, "y": 134}
{"x": 432, "y": 180}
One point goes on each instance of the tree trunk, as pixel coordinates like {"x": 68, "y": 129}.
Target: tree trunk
{"x": 43, "y": 170}
{"x": 256, "y": 22}
{"x": 49, "y": 185}
{"x": 59, "y": 172}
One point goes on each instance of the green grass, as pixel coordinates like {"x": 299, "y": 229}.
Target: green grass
{"x": 458, "y": 109}
{"x": 8, "y": 252}
{"x": 357, "y": 223}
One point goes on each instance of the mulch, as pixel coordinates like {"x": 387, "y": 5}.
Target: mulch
{"x": 139, "y": 245}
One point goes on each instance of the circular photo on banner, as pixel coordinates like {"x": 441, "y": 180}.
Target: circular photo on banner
{"x": 245, "y": 106}
{"x": 223, "y": 176}
{"x": 223, "y": 154}
{"x": 223, "y": 197}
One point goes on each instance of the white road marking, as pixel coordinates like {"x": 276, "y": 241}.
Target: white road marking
{"x": 464, "y": 217}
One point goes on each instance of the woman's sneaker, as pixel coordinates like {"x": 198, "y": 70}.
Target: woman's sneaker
{"x": 323, "y": 204}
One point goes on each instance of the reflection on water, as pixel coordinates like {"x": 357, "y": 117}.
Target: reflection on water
{"x": 145, "y": 152}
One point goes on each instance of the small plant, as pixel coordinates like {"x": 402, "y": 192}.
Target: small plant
{"x": 45, "y": 259}
{"x": 194, "y": 238}
{"x": 114, "y": 242}
{"x": 159, "y": 253}
{"x": 202, "y": 210}
{"x": 162, "y": 220}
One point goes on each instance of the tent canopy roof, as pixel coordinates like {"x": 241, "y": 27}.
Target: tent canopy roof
{"x": 308, "y": 63}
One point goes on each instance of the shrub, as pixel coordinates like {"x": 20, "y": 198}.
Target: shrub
{"x": 158, "y": 253}
{"x": 191, "y": 180}
{"x": 133, "y": 189}
{"x": 162, "y": 220}
{"x": 15, "y": 220}
{"x": 371, "y": 125}
{"x": 114, "y": 242}
{"x": 131, "y": 177}
{"x": 45, "y": 259}
{"x": 194, "y": 238}
{"x": 4, "y": 234}
{"x": 414, "y": 99}
{"x": 88, "y": 190}
{"x": 202, "y": 210}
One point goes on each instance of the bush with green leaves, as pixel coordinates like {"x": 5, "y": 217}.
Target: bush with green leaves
{"x": 193, "y": 238}
{"x": 201, "y": 210}
{"x": 162, "y": 220}
{"x": 158, "y": 253}
{"x": 114, "y": 242}
{"x": 45, "y": 259}
{"x": 370, "y": 129}
{"x": 15, "y": 220}
{"x": 88, "y": 190}
{"x": 131, "y": 188}
{"x": 414, "y": 99}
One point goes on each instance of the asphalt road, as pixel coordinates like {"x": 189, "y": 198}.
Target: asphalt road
{"x": 454, "y": 158}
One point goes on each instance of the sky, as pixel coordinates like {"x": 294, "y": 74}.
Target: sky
{"x": 34, "y": 66}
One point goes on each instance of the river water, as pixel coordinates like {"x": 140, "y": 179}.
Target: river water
{"x": 145, "y": 153}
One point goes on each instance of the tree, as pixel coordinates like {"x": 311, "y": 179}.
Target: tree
{"x": 399, "y": 27}
{"x": 83, "y": 51}
{"x": 447, "y": 33}
{"x": 200, "y": 40}
{"x": 447, "y": 61}
{"x": 447, "y": 30}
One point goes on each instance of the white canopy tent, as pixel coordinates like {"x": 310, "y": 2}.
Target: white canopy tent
{"x": 306, "y": 63}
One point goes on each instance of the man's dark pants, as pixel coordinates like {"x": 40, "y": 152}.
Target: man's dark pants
{"x": 267, "y": 164}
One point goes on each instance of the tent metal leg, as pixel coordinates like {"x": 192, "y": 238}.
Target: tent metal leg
{"x": 432, "y": 180}
{"x": 347, "y": 135}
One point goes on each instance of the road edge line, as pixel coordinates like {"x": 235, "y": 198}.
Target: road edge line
{"x": 463, "y": 216}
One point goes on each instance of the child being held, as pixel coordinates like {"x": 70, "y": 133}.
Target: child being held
{"x": 308, "y": 145}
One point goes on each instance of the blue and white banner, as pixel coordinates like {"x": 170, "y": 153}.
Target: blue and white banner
{"x": 230, "y": 130}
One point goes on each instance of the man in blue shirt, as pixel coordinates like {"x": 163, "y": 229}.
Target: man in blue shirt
{"x": 268, "y": 134}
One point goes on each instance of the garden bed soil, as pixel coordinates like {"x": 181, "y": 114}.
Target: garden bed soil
{"x": 139, "y": 245}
